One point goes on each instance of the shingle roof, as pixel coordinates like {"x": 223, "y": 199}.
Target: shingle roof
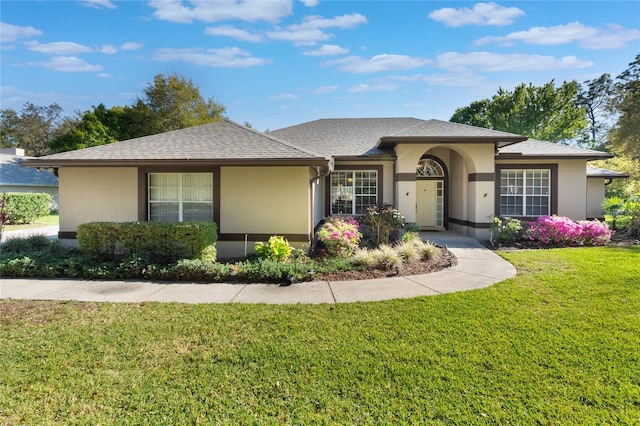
{"x": 345, "y": 136}
{"x": 604, "y": 173}
{"x": 374, "y": 136}
{"x": 447, "y": 129}
{"x": 536, "y": 148}
{"x": 12, "y": 174}
{"x": 222, "y": 140}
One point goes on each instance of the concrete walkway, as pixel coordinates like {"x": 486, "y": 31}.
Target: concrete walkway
{"x": 477, "y": 268}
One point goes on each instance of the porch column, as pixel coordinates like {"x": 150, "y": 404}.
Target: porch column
{"x": 481, "y": 202}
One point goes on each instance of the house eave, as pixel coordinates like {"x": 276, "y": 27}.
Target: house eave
{"x": 385, "y": 157}
{"x": 515, "y": 156}
{"x": 175, "y": 162}
{"x": 499, "y": 142}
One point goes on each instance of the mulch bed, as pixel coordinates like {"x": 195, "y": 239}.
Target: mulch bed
{"x": 444, "y": 259}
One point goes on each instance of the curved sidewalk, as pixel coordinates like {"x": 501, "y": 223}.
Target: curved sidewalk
{"x": 477, "y": 267}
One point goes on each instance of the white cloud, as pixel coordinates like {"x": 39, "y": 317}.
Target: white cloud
{"x": 496, "y": 62}
{"x": 378, "y": 63}
{"x": 309, "y": 3}
{"x": 229, "y": 57}
{"x": 230, "y": 31}
{"x": 69, "y": 64}
{"x": 466, "y": 79}
{"x": 326, "y": 50}
{"x": 284, "y": 97}
{"x": 343, "y": 22}
{"x": 109, "y": 49}
{"x": 311, "y": 29}
{"x": 99, "y": 4}
{"x": 326, "y": 89}
{"x": 10, "y": 32}
{"x": 479, "y": 14}
{"x": 375, "y": 87}
{"x": 613, "y": 37}
{"x": 300, "y": 37}
{"x": 58, "y": 48}
{"x": 216, "y": 11}
{"x": 131, "y": 45}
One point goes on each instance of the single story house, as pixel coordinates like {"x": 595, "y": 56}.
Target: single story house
{"x": 440, "y": 175}
{"x": 14, "y": 178}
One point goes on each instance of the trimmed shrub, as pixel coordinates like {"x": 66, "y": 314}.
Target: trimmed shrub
{"x": 277, "y": 249}
{"x": 340, "y": 236}
{"x": 158, "y": 241}
{"x": 26, "y": 207}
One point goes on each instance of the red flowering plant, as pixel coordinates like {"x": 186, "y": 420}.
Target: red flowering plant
{"x": 340, "y": 236}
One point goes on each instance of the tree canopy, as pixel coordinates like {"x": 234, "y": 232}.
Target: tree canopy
{"x": 170, "y": 102}
{"x": 545, "y": 112}
{"x": 624, "y": 138}
{"x": 32, "y": 128}
{"x": 173, "y": 102}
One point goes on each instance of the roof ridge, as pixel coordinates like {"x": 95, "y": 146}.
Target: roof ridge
{"x": 422, "y": 123}
{"x": 285, "y": 143}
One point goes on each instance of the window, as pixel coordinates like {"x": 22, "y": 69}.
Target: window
{"x": 428, "y": 167}
{"x": 180, "y": 197}
{"x": 353, "y": 191}
{"x": 525, "y": 192}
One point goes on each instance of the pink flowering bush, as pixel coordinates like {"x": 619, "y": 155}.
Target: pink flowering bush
{"x": 562, "y": 231}
{"x": 340, "y": 236}
{"x": 594, "y": 232}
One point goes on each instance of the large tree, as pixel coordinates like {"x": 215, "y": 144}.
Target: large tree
{"x": 173, "y": 102}
{"x": 542, "y": 112}
{"x": 624, "y": 138}
{"x": 33, "y": 128}
{"x": 596, "y": 99}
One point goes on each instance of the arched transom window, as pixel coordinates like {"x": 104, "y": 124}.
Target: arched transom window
{"x": 428, "y": 167}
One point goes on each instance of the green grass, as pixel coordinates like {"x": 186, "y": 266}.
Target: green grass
{"x": 50, "y": 220}
{"x": 558, "y": 344}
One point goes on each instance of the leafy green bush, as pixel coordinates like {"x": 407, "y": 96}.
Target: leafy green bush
{"x": 26, "y": 207}
{"x": 159, "y": 241}
{"x": 277, "y": 249}
{"x": 506, "y": 230}
{"x": 39, "y": 257}
{"x": 26, "y": 245}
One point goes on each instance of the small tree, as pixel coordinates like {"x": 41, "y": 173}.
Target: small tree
{"x": 382, "y": 220}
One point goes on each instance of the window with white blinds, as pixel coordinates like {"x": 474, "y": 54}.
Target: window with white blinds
{"x": 180, "y": 197}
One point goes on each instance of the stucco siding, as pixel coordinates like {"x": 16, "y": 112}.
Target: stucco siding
{"x": 595, "y": 197}
{"x": 265, "y": 200}
{"x": 93, "y": 194}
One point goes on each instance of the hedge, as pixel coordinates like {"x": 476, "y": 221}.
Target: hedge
{"x": 26, "y": 207}
{"x": 158, "y": 241}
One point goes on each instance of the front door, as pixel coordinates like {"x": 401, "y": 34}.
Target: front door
{"x": 430, "y": 203}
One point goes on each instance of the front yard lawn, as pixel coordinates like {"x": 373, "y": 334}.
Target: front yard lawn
{"x": 558, "y": 344}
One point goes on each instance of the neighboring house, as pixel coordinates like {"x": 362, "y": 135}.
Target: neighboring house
{"x": 14, "y": 178}
{"x": 439, "y": 174}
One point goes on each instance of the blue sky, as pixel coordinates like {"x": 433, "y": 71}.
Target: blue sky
{"x": 283, "y": 62}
